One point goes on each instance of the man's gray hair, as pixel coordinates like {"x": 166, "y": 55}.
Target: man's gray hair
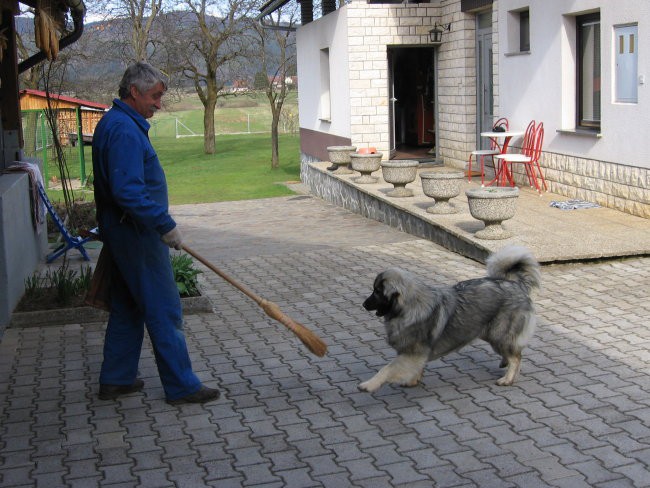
{"x": 143, "y": 76}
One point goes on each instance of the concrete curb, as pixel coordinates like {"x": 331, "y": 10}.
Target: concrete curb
{"x": 85, "y": 315}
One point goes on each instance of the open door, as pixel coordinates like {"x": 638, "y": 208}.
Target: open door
{"x": 412, "y": 103}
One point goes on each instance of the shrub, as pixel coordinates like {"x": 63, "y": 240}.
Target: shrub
{"x": 62, "y": 284}
{"x": 185, "y": 275}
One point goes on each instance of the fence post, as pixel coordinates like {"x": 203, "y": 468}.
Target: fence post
{"x": 46, "y": 175}
{"x": 80, "y": 143}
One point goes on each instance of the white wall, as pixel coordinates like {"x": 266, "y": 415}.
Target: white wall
{"x": 541, "y": 85}
{"x": 330, "y": 32}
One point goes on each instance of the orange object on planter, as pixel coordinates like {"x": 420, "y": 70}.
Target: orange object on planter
{"x": 367, "y": 150}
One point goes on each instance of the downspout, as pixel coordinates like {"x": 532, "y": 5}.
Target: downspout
{"x": 78, "y": 11}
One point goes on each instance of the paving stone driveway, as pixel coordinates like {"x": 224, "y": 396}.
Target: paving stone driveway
{"x": 579, "y": 416}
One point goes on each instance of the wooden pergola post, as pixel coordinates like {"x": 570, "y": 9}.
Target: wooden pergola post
{"x": 12, "y": 135}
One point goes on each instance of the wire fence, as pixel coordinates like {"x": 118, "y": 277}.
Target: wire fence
{"x": 39, "y": 142}
{"x": 245, "y": 123}
{"x": 74, "y": 131}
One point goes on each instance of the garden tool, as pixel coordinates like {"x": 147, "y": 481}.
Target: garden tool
{"x": 308, "y": 338}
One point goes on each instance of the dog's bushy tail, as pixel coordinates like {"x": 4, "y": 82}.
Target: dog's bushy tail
{"x": 515, "y": 263}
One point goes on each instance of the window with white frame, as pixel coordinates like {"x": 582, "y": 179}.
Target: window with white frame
{"x": 325, "y": 108}
{"x": 626, "y": 45}
{"x": 588, "y": 71}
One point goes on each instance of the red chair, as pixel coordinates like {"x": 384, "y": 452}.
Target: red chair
{"x": 529, "y": 157}
{"x": 480, "y": 154}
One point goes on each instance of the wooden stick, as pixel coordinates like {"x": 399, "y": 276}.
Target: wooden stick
{"x": 308, "y": 338}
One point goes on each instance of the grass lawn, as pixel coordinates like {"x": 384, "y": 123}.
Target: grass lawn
{"x": 239, "y": 170}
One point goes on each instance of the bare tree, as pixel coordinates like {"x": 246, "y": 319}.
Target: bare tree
{"x": 134, "y": 22}
{"x": 203, "y": 43}
{"x": 278, "y": 66}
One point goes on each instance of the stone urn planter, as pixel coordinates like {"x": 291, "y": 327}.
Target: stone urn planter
{"x": 399, "y": 172}
{"x": 340, "y": 158}
{"x": 442, "y": 186}
{"x": 366, "y": 164}
{"x": 493, "y": 205}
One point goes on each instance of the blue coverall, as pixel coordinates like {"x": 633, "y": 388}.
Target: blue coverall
{"x": 132, "y": 212}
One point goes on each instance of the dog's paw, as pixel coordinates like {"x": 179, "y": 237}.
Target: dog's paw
{"x": 368, "y": 386}
{"x": 504, "y": 382}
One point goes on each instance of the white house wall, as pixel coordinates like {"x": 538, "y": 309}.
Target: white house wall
{"x": 327, "y": 32}
{"x": 612, "y": 168}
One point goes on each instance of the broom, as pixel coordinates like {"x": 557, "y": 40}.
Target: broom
{"x": 308, "y": 338}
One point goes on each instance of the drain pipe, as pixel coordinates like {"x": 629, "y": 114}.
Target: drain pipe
{"x": 78, "y": 11}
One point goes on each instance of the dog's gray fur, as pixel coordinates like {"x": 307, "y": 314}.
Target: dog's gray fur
{"x": 425, "y": 322}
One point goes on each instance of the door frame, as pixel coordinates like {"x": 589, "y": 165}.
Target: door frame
{"x": 484, "y": 79}
{"x": 391, "y": 52}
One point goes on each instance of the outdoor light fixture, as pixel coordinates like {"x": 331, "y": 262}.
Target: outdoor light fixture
{"x": 435, "y": 34}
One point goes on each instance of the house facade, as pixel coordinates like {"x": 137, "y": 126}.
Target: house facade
{"x": 371, "y": 75}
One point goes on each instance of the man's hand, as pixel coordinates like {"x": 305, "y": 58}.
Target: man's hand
{"x": 173, "y": 238}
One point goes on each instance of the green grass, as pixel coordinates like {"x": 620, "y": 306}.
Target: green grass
{"x": 234, "y": 114}
{"x": 239, "y": 170}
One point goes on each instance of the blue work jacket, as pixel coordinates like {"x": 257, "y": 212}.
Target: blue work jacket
{"x": 128, "y": 178}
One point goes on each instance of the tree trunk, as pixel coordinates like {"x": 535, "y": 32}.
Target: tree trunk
{"x": 275, "y": 143}
{"x": 209, "y": 145}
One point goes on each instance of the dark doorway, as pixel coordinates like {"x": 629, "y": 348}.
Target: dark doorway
{"x": 412, "y": 104}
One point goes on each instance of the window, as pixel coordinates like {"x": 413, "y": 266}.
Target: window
{"x": 518, "y": 31}
{"x": 626, "y": 57}
{"x": 524, "y": 30}
{"x": 588, "y": 76}
{"x": 325, "y": 102}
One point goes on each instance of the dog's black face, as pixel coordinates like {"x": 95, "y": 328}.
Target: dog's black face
{"x": 378, "y": 301}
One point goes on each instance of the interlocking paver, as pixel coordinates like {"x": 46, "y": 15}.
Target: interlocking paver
{"x": 578, "y": 416}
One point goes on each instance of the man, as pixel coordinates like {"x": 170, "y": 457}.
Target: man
{"x": 137, "y": 231}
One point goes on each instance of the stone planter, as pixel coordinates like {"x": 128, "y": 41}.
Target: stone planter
{"x": 399, "y": 172}
{"x": 340, "y": 157}
{"x": 493, "y": 206}
{"x": 441, "y": 186}
{"x": 366, "y": 164}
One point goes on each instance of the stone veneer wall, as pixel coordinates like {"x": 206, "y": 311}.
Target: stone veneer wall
{"x": 373, "y": 27}
{"x": 343, "y": 194}
{"x": 623, "y": 188}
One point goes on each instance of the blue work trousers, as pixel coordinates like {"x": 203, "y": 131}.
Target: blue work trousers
{"x": 143, "y": 291}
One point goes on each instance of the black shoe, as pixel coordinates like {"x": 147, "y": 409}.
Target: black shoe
{"x": 111, "y": 392}
{"x": 333, "y": 167}
{"x": 204, "y": 395}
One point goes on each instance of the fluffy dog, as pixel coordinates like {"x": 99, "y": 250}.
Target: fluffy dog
{"x": 424, "y": 322}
